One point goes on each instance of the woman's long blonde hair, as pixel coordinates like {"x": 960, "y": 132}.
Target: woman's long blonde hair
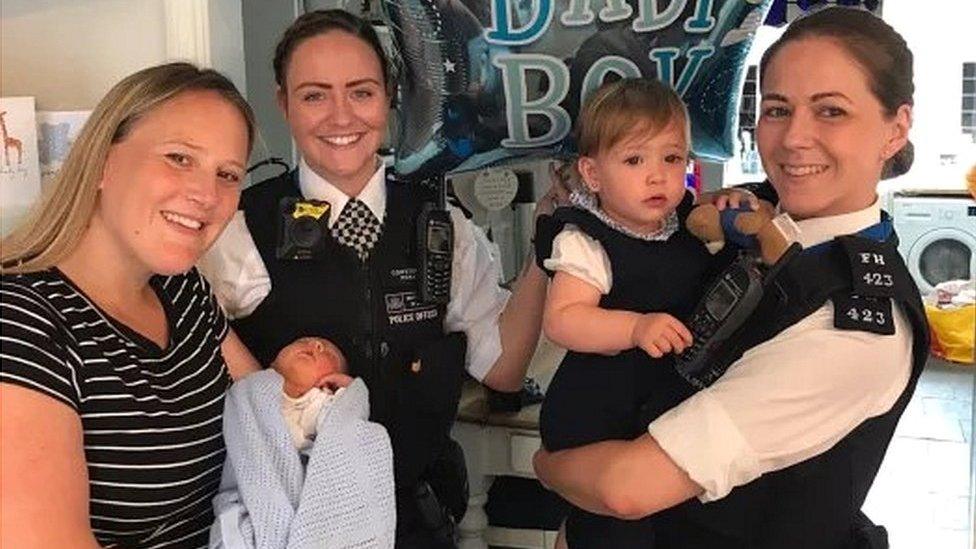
{"x": 55, "y": 225}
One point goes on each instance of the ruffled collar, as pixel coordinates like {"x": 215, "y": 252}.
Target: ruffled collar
{"x": 586, "y": 200}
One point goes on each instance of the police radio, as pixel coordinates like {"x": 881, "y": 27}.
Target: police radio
{"x": 727, "y": 304}
{"x": 435, "y": 245}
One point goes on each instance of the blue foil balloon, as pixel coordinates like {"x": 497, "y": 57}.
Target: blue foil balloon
{"x": 485, "y": 81}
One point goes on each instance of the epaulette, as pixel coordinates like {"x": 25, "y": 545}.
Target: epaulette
{"x": 876, "y": 276}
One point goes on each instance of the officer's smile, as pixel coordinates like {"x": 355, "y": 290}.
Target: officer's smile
{"x": 343, "y": 140}
{"x": 802, "y": 170}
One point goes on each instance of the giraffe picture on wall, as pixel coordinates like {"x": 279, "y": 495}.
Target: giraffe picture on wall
{"x": 20, "y": 176}
{"x": 10, "y": 142}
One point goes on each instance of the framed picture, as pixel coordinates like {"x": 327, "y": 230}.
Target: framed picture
{"x": 20, "y": 177}
{"x": 56, "y": 132}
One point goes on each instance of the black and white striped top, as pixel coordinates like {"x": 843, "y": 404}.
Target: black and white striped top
{"x": 151, "y": 417}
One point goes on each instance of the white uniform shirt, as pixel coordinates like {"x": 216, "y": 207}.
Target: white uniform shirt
{"x": 240, "y": 280}
{"x": 792, "y": 397}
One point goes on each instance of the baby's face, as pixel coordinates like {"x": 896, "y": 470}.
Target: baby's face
{"x": 641, "y": 179}
{"x": 304, "y": 362}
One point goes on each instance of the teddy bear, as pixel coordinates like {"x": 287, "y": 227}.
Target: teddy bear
{"x": 758, "y": 229}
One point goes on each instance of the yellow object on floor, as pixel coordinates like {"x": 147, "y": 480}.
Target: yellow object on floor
{"x": 953, "y": 332}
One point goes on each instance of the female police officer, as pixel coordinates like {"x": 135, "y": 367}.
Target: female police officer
{"x": 358, "y": 282}
{"x": 785, "y": 445}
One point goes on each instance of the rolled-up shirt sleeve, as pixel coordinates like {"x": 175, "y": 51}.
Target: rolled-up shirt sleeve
{"x": 235, "y": 270}
{"x": 784, "y": 401}
{"x": 477, "y": 298}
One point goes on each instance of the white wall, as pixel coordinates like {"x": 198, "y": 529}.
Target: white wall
{"x": 68, "y": 53}
{"x": 264, "y": 23}
{"x": 227, "y": 41}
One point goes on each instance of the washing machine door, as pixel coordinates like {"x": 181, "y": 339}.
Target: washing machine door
{"x": 942, "y": 254}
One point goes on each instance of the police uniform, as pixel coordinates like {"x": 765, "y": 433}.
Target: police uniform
{"x": 787, "y": 443}
{"x": 410, "y": 353}
{"x": 595, "y": 397}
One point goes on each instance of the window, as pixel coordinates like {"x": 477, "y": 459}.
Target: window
{"x": 747, "y": 104}
{"x": 969, "y": 99}
{"x": 748, "y": 109}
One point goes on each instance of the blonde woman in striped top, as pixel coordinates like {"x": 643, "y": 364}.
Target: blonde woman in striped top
{"x": 115, "y": 357}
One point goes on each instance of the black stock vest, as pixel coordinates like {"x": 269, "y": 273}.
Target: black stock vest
{"x": 372, "y": 311}
{"x": 814, "y": 504}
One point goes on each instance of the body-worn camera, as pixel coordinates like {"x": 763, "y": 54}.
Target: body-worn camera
{"x": 303, "y": 228}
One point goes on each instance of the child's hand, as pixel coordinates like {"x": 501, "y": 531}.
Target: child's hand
{"x": 334, "y": 382}
{"x": 659, "y": 334}
{"x": 729, "y": 198}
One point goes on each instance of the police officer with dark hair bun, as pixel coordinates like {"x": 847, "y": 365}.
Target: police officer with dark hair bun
{"x": 333, "y": 249}
{"x": 781, "y": 450}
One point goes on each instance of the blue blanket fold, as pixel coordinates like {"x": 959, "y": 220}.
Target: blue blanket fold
{"x": 343, "y": 497}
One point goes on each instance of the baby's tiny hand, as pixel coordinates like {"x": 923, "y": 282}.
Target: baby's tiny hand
{"x": 660, "y": 333}
{"x": 334, "y": 382}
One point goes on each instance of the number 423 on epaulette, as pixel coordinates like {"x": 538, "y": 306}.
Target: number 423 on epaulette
{"x": 864, "y": 314}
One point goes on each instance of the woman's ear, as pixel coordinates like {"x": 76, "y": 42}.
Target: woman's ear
{"x": 587, "y": 169}
{"x": 281, "y": 97}
{"x": 106, "y": 168}
{"x": 898, "y": 134}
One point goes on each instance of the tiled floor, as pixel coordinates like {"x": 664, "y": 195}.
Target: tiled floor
{"x": 922, "y": 493}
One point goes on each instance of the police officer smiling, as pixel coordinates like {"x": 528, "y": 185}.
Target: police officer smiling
{"x": 781, "y": 450}
{"x": 352, "y": 271}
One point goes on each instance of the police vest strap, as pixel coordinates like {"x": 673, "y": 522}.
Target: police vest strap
{"x": 882, "y": 231}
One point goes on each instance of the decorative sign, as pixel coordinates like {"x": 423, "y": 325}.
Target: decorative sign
{"x": 495, "y": 188}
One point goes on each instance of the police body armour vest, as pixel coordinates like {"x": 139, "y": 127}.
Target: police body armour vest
{"x": 372, "y": 311}
{"x": 813, "y": 504}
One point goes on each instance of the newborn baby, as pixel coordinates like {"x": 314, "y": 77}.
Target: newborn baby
{"x": 314, "y": 371}
{"x": 280, "y": 482}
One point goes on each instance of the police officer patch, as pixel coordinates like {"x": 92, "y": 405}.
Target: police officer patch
{"x": 871, "y": 262}
{"x": 863, "y": 313}
{"x": 407, "y": 307}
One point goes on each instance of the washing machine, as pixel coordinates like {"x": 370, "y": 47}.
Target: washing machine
{"x": 937, "y": 237}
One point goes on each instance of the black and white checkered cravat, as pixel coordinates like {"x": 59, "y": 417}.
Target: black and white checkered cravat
{"x": 357, "y": 228}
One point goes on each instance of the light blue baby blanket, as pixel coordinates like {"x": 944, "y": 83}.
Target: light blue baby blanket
{"x": 343, "y": 497}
